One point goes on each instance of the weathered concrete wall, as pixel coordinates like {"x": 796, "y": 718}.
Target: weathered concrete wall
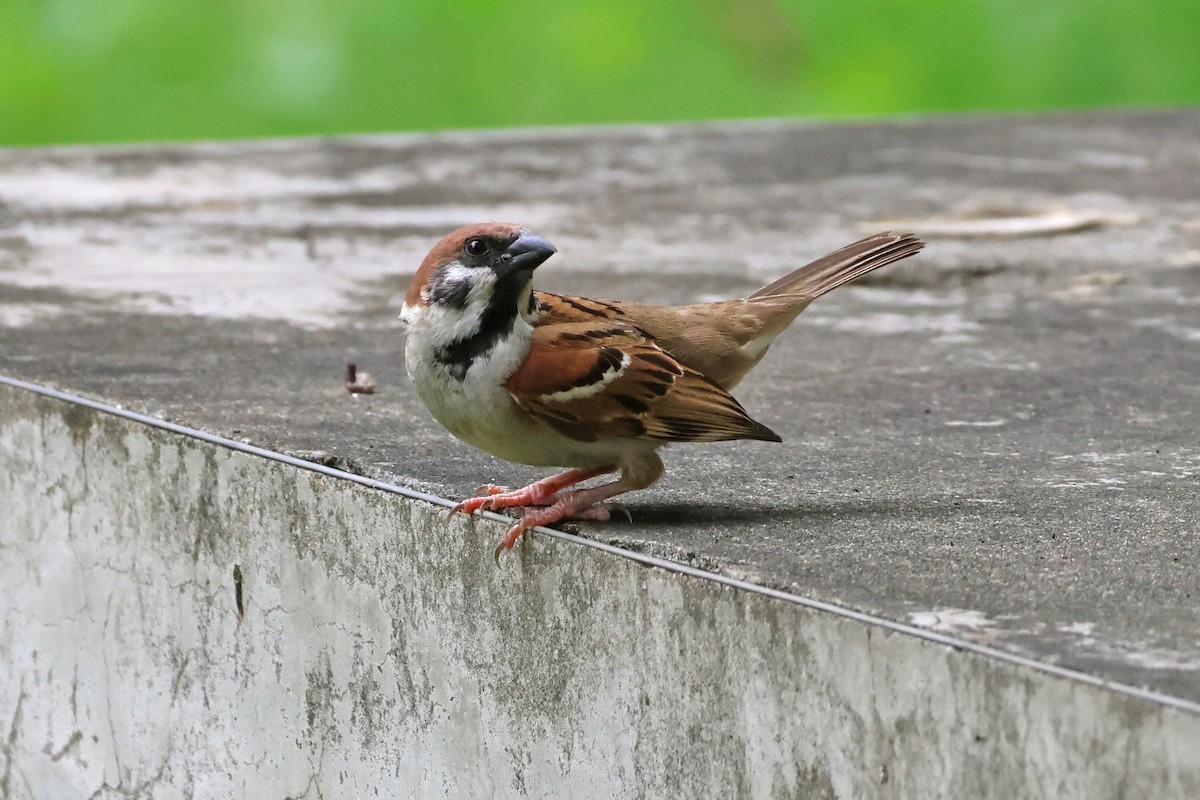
{"x": 379, "y": 653}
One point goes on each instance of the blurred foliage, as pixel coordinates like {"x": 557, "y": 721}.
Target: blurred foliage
{"x": 109, "y": 70}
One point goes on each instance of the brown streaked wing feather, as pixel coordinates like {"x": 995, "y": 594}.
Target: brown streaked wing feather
{"x": 698, "y": 410}
{"x": 558, "y": 309}
{"x": 707, "y": 337}
{"x": 590, "y": 381}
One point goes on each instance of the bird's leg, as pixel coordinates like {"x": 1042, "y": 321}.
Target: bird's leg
{"x": 538, "y": 493}
{"x": 577, "y": 504}
{"x": 491, "y": 490}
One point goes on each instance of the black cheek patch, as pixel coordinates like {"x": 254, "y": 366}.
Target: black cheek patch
{"x": 449, "y": 291}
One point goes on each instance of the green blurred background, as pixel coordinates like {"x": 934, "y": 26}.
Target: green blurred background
{"x": 121, "y": 70}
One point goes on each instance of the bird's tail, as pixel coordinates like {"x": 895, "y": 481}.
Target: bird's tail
{"x": 842, "y": 266}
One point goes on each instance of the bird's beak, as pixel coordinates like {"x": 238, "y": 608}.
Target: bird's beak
{"x": 526, "y": 253}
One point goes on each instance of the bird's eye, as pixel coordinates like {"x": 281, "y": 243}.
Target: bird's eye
{"x": 476, "y": 247}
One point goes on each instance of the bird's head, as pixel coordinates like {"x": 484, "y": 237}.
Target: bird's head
{"x": 479, "y": 270}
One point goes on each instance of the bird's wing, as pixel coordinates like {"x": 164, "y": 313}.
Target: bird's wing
{"x": 558, "y": 309}
{"x": 607, "y": 379}
{"x": 716, "y": 339}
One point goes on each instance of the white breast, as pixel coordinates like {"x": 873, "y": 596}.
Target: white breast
{"x": 478, "y": 408}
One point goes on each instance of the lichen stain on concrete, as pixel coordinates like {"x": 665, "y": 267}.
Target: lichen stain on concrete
{"x": 380, "y": 649}
{"x": 79, "y": 421}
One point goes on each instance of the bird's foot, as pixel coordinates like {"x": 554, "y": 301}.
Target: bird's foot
{"x": 495, "y": 498}
{"x": 479, "y": 496}
{"x": 566, "y": 506}
{"x": 545, "y": 492}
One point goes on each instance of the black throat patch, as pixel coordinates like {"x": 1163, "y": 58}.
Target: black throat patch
{"x": 496, "y": 323}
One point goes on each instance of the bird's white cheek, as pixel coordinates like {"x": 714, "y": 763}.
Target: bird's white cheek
{"x": 440, "y": 325}
{"x": 482, "y": 283}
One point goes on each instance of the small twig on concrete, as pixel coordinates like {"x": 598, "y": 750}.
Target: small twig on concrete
{"x": 358, "y": 382}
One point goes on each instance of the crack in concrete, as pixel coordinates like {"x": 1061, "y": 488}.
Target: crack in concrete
{"x": 57, "y": 755}
{"x": 177, "y": 678}
{"x": 108, "y": 676}
{"x": 9, "y": 747}
{"x": 314, "y": 779}
{"x": 136, "y": 791}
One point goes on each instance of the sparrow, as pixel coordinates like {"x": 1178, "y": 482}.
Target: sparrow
{"x": 593, "y": 386}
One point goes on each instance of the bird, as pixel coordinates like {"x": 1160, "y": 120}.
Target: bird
{"x": 593, "y": 387}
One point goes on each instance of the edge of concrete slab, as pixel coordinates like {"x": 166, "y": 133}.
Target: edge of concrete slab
{"x": 1134, "y": 692}
{"x": 187, "y": 616}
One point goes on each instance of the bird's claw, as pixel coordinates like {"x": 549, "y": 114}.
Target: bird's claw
{"x": 470, "y": 506}
{"x": 532, "y": 518}
{"x": 510, "y": 539}
{"x": 481, "y": 501}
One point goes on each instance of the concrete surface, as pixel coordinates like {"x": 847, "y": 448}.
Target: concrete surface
{"x": 995, "y": 442}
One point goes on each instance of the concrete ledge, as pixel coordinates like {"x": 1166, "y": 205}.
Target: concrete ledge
{"x": 371, "y": 649}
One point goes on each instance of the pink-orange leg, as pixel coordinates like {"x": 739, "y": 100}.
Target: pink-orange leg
{"x": 578, "y": 504}
{"x": 491, "y": 489}
{"x": 538, "y": 493}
